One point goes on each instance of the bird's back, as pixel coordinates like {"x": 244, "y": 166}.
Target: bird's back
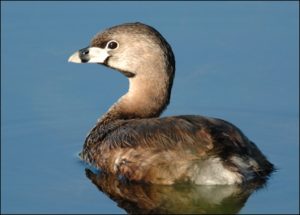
{"x": 175, "y": 149}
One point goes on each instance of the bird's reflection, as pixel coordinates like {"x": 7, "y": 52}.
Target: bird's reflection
{"x": 137, "y": 198}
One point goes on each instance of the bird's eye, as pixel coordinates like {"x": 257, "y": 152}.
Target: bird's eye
{"x": 112, "y": 45}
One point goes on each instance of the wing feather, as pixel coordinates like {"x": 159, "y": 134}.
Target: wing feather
{"x": 162, "y": 133}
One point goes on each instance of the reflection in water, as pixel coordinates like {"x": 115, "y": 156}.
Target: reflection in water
{"x": 145, "y": 198}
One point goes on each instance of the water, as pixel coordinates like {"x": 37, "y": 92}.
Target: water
{"x": 237, "y": 61}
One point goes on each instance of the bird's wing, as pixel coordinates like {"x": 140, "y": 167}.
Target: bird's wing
{"x": 198, "y": 133}
{"x": 162, "y": 133}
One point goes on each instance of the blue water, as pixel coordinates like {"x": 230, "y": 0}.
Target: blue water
{"x": 235, "y": 60}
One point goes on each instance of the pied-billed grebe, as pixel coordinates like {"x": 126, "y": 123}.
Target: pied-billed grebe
{"x": 131, "y": 141}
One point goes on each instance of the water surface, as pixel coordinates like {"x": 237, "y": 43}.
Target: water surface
{"x": 236, "y": 61}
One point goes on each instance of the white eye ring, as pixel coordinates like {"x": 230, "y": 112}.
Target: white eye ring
{"x": 112, "y": 45}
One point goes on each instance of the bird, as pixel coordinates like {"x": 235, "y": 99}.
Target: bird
{"x": 132, "y": 141}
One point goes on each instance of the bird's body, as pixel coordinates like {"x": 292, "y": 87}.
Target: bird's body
{"x": 132, "y": 141}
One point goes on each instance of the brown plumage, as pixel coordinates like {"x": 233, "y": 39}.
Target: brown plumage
{"x": 130, "y": 140}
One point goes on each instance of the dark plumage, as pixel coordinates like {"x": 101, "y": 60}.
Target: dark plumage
{"x": 129, "y": 140}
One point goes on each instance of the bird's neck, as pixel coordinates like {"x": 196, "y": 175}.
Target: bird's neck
{"x": 147, "y": 97}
